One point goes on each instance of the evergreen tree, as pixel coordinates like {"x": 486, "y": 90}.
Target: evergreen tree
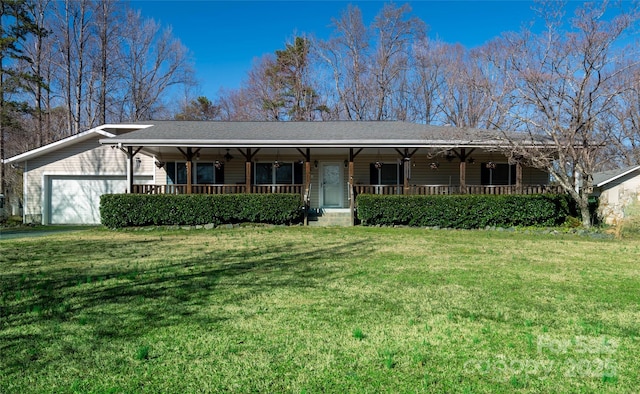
{"x": 15, "y": 26}
{"x": 291, "y": 71}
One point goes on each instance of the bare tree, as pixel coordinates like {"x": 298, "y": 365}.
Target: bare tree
{"x": 348, "y": 58}
{"x": 235, "y": 105}
{"x": 624, "y": 123}
{"x": 37, "y": 50}
{"x": 154, "y": 61}
{"x": 428, "y": 63}
{"x": 395, "y": 31}
{"x": 72, "y": 29}
{"x": 565, "y": 84}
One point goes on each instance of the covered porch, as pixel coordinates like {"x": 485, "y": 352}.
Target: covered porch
{"x": 351, "y": 158}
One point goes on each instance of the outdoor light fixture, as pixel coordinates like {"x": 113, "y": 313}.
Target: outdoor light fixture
{"x": 315, "y": 163}
{"x": 491, "y": 165}
{"x": 218, "y": 164}
{"x": 138, "y": 162}
{"x": 434, "y": 165}
{"x": 378, "y": 164}
{"x": 276, "y": 163}
{"x": 471, "y": 160}
{"x": 346, "y": 163}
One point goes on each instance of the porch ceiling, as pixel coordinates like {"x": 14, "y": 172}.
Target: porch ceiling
{"x": 338, "y": 134}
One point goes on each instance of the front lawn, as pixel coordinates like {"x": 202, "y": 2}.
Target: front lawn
{"x": 293, "y": 309}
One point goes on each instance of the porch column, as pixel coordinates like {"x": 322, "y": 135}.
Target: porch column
{"x": 307, "y": 185}
{"x": 306, "y": 192}
{"x": 407, "y": 173}
{"x": 352, "y": 204}
{"x": 518, "y": 177}
{"x": 247, "y": 175}
{"x": 463, "y": 171}
{"x": 248, "y": 156}
{"x": 352, "y": 194}
{"x": 406, "y": 165}
{"x": 463, "y": 155}
{"x": 188, "y": 155}
{"x": 189, "y": 175}
{"x": 130, "y": 155}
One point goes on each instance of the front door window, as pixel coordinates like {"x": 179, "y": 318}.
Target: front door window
{"x": 331, "y": 185}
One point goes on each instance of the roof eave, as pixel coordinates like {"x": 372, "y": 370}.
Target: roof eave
{"x": 58, "y": 144}
{"x": 613, "y": 178}
{"x": 305, "y": 143}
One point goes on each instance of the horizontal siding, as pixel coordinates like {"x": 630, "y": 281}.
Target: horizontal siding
{"x": 448, "y": 172}
{"x": 90, "y": 158}
{"x": 86, "y": 158}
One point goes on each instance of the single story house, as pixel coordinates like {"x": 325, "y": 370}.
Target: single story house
{"x": 327, "y": 163}
{"x": 616, "y": 191}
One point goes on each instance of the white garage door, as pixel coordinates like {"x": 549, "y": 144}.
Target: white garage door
{"x": 76, "y": 200}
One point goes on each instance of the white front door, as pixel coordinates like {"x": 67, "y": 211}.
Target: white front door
{"x": 331, "y": 185}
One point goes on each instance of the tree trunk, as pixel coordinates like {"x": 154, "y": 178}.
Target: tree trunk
{"x": 2, "y": 174}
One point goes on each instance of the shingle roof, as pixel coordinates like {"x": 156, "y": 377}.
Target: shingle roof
{"x": 604, "y": 177}
{"x": 305, "y": 134}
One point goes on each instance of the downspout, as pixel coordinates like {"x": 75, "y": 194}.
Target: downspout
{"x": 129, "y": 169}
{"x": 24, "y": 192}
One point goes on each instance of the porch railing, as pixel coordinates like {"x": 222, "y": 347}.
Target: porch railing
{"x": 456, "y": 189}
{"x": 216, "y": 189}
{"x": 266, "y": 189}
{"x": 357, "y": 189}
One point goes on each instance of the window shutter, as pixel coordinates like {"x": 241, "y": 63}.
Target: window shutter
{"x": 298, "y": 169}
{"x": 219, "y": 174}
{"x": 373, "y": 174}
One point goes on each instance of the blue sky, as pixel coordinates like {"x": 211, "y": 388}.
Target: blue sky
{"x": 226, "y": 36}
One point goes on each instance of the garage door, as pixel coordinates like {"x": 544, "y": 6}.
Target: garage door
{"x": 76, "y": 200}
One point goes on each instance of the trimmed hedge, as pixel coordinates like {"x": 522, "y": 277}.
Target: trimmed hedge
{"x": 464, "y": 211}
{"x": 123, "y": 210}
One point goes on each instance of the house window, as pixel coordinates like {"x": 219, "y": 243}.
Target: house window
{"x": 203, "y": 173}
{"x": 285, "y": 174}
{"x": 388, "y": 174}
{"x": 503, "y": 174}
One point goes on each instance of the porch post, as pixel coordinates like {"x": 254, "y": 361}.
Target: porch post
{"x": 189, "y": 170}
{"x": 188, "y": 155}
{"x": 407, "y": 170}
{"x": 406, "y": 164}
{"x": 248, "y": 156}
{"x": 247, "y": 172}
{"x": 463, "y": 171}
{"x": 307, "y": 185}
{"x": 129, "y": 169}
{"x": 518, "y": 177}
{"x": 352, "y": 203}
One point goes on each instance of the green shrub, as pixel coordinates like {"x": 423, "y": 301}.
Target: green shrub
{"x": 464, "y": 211}
{"x": 123, "y": 210}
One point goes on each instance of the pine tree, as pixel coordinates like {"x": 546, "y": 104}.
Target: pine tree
{"x": 15, "y": 27}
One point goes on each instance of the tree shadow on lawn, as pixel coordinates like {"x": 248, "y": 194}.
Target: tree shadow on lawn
{"x": 99, "y": 305}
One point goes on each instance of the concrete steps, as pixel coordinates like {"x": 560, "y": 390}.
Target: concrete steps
{"x": 330, "y": 217}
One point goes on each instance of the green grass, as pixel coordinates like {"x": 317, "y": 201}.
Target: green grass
{"x": 319, "y": 310}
